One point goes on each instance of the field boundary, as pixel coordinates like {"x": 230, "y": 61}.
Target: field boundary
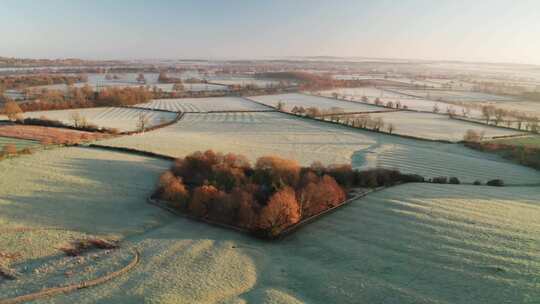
{"x": 49, "y": 292}
{"x": 130, "y": 151}
{"x": 287, "y": 231}
{"x": 455, "y": 116}
{"x": 364, "y": 129}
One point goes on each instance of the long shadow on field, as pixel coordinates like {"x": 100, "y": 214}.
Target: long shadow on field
{"x": 88, "y": 194}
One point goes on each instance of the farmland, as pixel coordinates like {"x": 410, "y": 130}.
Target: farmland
{"x": 259, "y": 134}
{"x": 456, "y": 96}
{"x": 19, "y": 143}
{"x": 323, "y": 103}
{"x": 532, "y": 141}
{"x": 433, "y": 126}
{"x": 413, "y": 237}
{"x": 159, "y": 238}
{"x": 123, "y": 119}
{"x": 203, "y": 104}
{"x": 412, "y": 103}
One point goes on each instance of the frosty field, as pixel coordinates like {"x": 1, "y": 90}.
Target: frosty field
{"x": 415, "y": 243}
{"x": 412, "y": 103}
{"x": 456, "y": 96}
{"x": 19, "y": 143}
{"x": 434, "y": 126}
{"x": 259, "y": 134}
{"x": 323, "y": 103}
{"x": 123, "y": 119}
{"x": 204, "y": 104}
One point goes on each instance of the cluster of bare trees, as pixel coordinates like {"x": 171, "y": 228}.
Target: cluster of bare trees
{"x": 518, "y": 119}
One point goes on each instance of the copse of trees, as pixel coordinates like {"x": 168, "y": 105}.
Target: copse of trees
{"x": 266, "y": 198}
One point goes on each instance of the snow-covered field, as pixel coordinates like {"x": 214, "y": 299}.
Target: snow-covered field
{"x": 259, "y": 134}
{"x": 434, "y": 126}
{"x": 204, "y": 104}
{"x": 323, "y": 103}
{"x": 415, "y": 243}
{"x": 123, "y": 119}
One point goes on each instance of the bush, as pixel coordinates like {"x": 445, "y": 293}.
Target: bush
{"x": 454, "y": 181}
{"x": 495, "y": 182}
{"x": 477, "y": 183}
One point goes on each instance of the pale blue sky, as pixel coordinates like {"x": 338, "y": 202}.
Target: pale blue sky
{"x": 496, "y": 30}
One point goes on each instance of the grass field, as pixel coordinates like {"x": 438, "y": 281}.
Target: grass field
{"x": 323, "y": 103}
{"x": 433, "y": 126}
{"x": 19, "y": 143}
{"x": 123, "y": 119}
{"x": 412, "y": 103}
{"x": 456, "y": 95}
{"x": 203, "y": 104}
{"x": 527, "y": 141}
{"x": 415, "y": 243}
{"x": 259, "y": 134}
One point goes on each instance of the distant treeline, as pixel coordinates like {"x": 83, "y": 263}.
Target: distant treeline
{"x": 85, "y": 97}
{"x": 25, "y": 81}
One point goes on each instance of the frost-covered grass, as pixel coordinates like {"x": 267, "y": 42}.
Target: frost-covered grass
{"x": 263, "y": 83}
{"x": 433, "y": 126}
{"x": 456, "y": 95}
{"x": 123, "y": 119}
{"x": 252, "y": 134}
{"x": 203, "y": 104}
{"x": 167, "y": 87}
{"x": 408, "y": 244}
{"x": 88, "y": 190}
{"x": 19, "y": 143}
{"x": 323, "y": 103}
{"x": 527, "y": 141}
{"x": 412, "y": 103}
{"x": 259, "y": 134}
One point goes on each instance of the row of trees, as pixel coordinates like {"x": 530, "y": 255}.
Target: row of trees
{"x": 21, "y": 82}
{"x": 338, "y": 115}
{"x": 265, "y": 198}
{"x": 491, "y": 114}
{"x": 85, "y": 97}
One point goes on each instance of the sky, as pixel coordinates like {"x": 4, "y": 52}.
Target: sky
{"x": 473, "y": 30}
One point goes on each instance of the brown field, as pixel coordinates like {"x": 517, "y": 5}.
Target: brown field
{"x": 47, "y": 134}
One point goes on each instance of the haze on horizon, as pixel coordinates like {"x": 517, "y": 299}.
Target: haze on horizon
{"x": 492, "y": 31}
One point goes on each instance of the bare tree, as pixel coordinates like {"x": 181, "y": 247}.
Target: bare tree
{"x": 143, "y": 122}
{"x": 391, "y": 128}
